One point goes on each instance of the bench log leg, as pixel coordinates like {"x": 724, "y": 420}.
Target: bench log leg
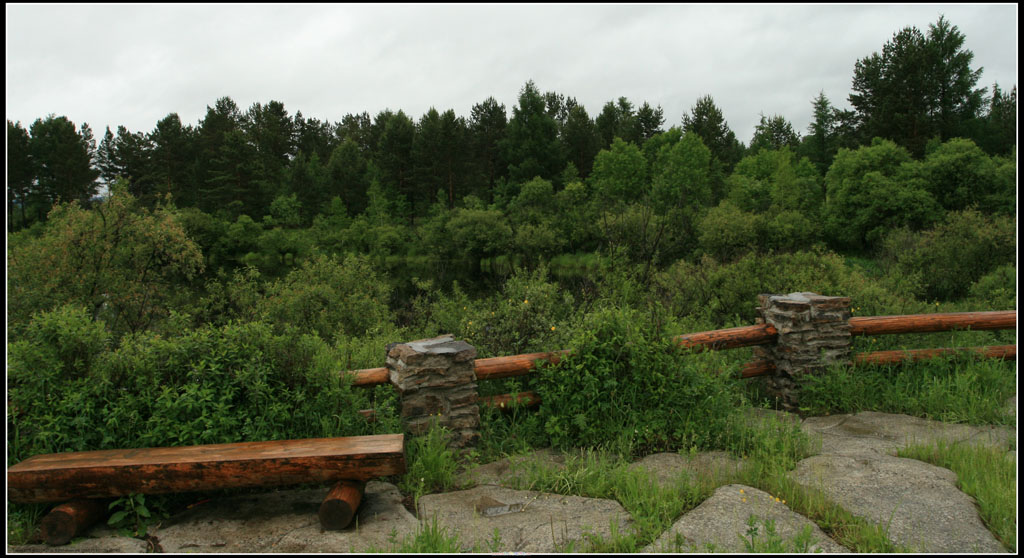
{"x": 71, "y": 519}
{"x": 339, "y": 508}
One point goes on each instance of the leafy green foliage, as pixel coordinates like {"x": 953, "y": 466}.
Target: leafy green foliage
{"x": 132, "y": 517}
{"x": 997, "y": 289}
{"x": 960, "y": 175}
{"x": 726, "y": 231}
{"x": 239, "y": 382}
{"x": 620, "y": 173}
{"x": 625, "y": 379}
{"x": 432, "y": 464}
{"x": 726, "y": 293}
{"x": 872, "y": 190}
{"x": 330, "y": 297}
{"x": 118, "y": 260}
{"x": 530, "y": 314}
{"x": 957, "y": 252}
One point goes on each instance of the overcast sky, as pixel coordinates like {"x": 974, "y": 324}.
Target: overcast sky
{"x": 132, "y": 65}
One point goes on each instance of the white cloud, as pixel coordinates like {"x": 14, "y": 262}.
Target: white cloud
{"x": 132, "y": 65}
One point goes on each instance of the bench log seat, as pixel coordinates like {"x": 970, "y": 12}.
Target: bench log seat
{"x": 58, "y": 477}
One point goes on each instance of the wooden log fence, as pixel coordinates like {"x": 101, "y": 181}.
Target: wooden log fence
{"x": 750, "y": 336}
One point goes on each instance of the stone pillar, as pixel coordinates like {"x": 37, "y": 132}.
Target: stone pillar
{"x": 814, "y": 333}
{"x": 436, "y": 380}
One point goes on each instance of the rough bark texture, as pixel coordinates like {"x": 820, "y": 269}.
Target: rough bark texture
{"x": 338, "y": 509}
{"x": 71, "y": 519}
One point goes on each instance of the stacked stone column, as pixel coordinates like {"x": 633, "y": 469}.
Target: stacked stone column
{"x": 436, "y": 379}
{"x": 813, "y": 334}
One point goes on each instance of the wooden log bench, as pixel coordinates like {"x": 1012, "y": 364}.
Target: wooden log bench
{"x": 80, "y": 479}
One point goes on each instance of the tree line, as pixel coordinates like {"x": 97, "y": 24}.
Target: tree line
{"x": 920, "y": 88}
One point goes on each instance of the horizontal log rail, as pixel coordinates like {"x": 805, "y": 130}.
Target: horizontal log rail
{"x": 369, "y": 376}
{"x": 732, "y": 338}
{"x": 930, "y": 323}
{"x": 1004, "y": 352}
{"x": 526, "y": 399}
{"x": 516, "y": 365}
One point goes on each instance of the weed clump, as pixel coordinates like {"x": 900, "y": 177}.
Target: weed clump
{"x": 627, "y": 385}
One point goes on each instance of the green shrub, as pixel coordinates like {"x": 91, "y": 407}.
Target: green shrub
{"x": 789, "y": 231}
{"x": 238, "y": 382}
{"x": 626, "y": 383}
{"x": 726, "y": 231}
{"x": 952, "y": 256}
{"x": 122, "y": 262}
{"x": 329, "y": 297}
{"x": 529, "y": 315}
{"x": 997, "y": 290}
{"x": 727, "y": 293}
{"x": 871, "y": 190}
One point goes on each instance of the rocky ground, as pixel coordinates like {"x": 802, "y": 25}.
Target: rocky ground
{"x": 857, "y": 468}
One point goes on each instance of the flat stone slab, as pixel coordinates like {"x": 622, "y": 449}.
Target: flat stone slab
{"x": 100, "y": 540}
{"x": 526, "y": 521}
{"x": 918, "y": 503}
{"x": 720, "y": 524}
{"x": 667, "y": 468}
{"x": 885, "y": 433}
{"x": 286, "y": 521}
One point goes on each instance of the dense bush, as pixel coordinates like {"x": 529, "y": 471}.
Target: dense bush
{"x": 625, "y": 384}
{"x": 329, "y": 296}
{"x": 997, "y": 289}
{"x": 949, "y": 258}
{"x": 240, "y": 382}
{"x": 726, "y": 293}
{"x": 726, "y": 231}
{"x": 117, "y": 260}
{"x": 872, "y": 190}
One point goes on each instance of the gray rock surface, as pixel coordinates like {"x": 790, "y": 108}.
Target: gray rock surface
{"x": 917, "y": 503}
{"x": 526, "y": 521}
{"x": 871, "y": 432}
{"x": 286, "y": 521}
{"x": 100, "y": 540}
{"x": 719, "y": 524}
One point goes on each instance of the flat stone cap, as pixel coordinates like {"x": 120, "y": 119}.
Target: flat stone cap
{"x": 437, "y": 346}
{"x": 801, "y": 296}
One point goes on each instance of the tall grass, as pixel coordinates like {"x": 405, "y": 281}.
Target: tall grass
{"x": 958, "y": 389}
